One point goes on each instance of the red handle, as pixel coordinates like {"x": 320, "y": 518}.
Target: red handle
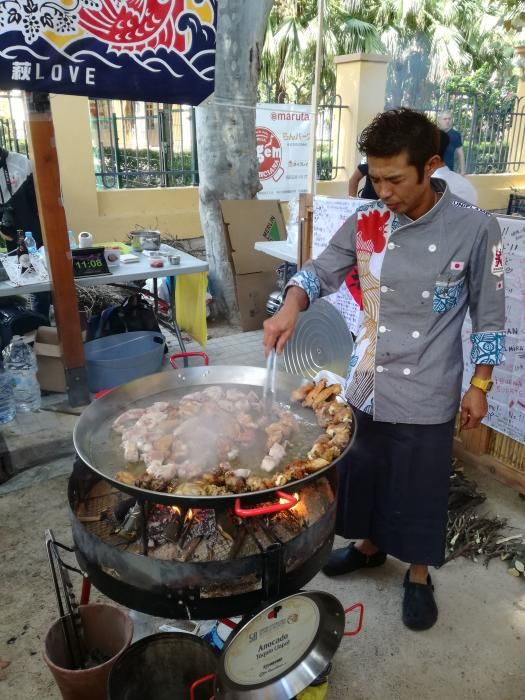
{"x": 188, "y": 354}
{"x": 360, "y": 621}
{"x": 291, "y": 501}
{"x": 102, "y": 393}
{"x": 198, "y": 682}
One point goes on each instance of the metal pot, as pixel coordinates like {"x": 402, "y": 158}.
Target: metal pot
{"x": 94, "y": 442}
{"x": 144, "y": 240}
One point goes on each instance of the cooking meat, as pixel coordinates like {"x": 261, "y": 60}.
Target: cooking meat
{"x": 188, "y": 447}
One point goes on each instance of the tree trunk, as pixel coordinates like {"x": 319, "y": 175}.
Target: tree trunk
{"x": 228, "y": 166}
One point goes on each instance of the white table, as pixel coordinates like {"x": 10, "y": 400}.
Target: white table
{"x": 278, "y": 249}
{"x": 125, "y": 272}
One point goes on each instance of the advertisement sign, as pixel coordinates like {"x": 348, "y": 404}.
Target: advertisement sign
{"x": 507, "y": 398}
{"x": 150, "y": 50}
{"x": 283, "y": 136}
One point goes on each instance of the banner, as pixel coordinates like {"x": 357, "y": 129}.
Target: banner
{"x": 283, "y": 137}
{"x": 146, "y": 50}
{"x": 507, "y": 398}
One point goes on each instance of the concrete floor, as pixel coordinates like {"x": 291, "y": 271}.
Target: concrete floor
{"x": 476, "y": 650}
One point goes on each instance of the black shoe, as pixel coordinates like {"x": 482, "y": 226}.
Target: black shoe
{"x": 419, "y": 607}
{"x": 347, "y": 559}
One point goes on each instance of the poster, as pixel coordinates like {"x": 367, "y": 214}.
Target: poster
{"x": 329, "y": 215}
{"x": 283, "y": 135}
{"x": 150, "y": 50}
{"x": 507, "y": 398}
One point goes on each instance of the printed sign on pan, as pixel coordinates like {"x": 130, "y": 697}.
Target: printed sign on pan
{"x": 282, "y": 135}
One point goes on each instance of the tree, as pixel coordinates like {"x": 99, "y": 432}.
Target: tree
{"x": 228, "y": 166}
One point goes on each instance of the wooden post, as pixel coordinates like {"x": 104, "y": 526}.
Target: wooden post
{"x": 54, "y": 228}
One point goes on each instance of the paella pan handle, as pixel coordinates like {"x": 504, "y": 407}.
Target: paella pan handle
{"x": 289, "y": 502}
{"x": 185, "y": 355}
{"x": 196, "y": 683}
{"x": 361, "y": 608}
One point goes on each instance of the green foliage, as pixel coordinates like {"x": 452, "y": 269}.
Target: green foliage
{"x": 493, "y": 91}
{"x": 131, "y": 168}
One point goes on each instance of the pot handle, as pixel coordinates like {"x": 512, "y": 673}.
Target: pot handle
{"x": 196, "y": 683}
{"x": 290, "y": 502}
{"x": 188, "y": 354}
{"x": 360, "y": 621}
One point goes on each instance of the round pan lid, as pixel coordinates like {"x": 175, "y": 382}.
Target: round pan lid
{"x": 282, "y": 650}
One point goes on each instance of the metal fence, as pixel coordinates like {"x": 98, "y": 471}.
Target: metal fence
{"x": 493, "y": 139}
{"x": 13, "y": 136}
{"x": 143, "y": 144}
{"x": 327, "y": 141}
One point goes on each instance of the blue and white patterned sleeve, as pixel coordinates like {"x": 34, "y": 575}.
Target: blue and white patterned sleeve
{"x": 487, "y": 297}
{"x": 325, "y": 274}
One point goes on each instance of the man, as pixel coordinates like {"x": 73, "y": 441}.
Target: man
{"x": 457, "y": 183}
{"x": 19, "y": 211}
{"x": 367, "y": 192}
{"x": 455, "y": 142}
{"x": 423, "y": 256}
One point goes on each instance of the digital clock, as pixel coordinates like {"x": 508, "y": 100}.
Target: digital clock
{"x": 89, "y": 261}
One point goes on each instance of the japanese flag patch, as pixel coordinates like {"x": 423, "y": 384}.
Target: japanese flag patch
{"x": 457, "y": 265}
{"x": 497, "y": 260}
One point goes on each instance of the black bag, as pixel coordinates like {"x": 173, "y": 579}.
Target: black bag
{"x": 134, "y": 314}
{"x": 15, "y": 319}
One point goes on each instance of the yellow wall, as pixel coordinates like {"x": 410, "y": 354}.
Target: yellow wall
{"x": 110, "y": 215}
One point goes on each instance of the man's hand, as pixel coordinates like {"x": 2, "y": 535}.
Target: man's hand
{"x": 279, "y": 328}
{"x": 474, "y": 407}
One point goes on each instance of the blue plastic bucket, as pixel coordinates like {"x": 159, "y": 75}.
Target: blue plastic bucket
{"x": 118, "y": 359}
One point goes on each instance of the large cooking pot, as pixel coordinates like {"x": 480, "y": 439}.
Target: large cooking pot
{"x": 144, "y": 240}
{"x": 99, "y": 449}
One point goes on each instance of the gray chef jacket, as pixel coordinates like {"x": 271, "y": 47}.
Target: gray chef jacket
{"x": 418, "y": 278}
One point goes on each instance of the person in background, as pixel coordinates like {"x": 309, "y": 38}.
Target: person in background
{"x": 455, "y": 144}
{"x": 458, "y": 184}
{"x": 19, "y": 210}
{"x": 424, "y": 258}
{"x": 368, "y": 191}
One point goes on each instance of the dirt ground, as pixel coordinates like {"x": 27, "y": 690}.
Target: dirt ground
{"x": 476, "y": 650}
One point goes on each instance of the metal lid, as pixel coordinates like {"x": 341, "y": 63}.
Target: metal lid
{"x": 321, "y": 340}
{"x": 282, "y": 650}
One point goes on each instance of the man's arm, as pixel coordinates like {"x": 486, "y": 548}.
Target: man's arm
{"x": 461, "y": 159}
{"x": 474, "y": 405}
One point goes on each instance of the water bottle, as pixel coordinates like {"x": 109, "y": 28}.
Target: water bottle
{"x": 7, "y": 399}
{"x": 30, "y": 242}
{"x": 72, "y": 240}
{"x": 20, "y": 361}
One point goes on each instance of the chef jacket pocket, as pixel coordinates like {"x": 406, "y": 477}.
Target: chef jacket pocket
{"x": 446, "y": 293}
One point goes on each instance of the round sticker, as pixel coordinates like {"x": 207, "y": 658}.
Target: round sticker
{"x": 273, "y": 642}
{"x": 269, "y": 154}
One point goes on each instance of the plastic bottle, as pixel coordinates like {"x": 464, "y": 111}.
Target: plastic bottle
{"x": 30, "y": 242}
{"x": 20, "y": 361}
{"x": 7, "y": 399}
{"x": 72, "y": 240}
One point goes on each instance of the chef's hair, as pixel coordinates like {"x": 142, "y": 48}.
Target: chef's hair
{"x": 398, "y": 130}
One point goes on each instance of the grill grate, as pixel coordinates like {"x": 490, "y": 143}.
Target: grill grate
{"x": 103, "y": 498}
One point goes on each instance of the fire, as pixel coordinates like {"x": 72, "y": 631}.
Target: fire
{"x": 175, "y": 509}
{"x": 189, "y": 515}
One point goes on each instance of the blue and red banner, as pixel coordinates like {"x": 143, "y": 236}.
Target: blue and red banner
{"x": 148, "y": 50}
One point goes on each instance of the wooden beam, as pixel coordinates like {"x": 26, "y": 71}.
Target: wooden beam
{"x": 489, "y": 464}
{"x": 54, "y": 228}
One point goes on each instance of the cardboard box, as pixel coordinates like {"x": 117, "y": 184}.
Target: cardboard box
{"x": 48, "y": 351}
{"x": 246, "y": 222}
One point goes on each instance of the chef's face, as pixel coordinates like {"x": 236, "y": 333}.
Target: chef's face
{"x": 398, "y": 184}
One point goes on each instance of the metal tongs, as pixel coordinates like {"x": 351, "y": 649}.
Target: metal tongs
{"x": 268, "y": 396}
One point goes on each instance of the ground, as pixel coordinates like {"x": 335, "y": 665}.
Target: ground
{"x": 476, "y": 649}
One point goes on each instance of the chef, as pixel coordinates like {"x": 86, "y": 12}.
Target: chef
{"x": 424, "y": 257}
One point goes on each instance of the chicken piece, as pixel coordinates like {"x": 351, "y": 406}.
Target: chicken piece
{"x": 296, "y": 470}
{"x": 235, "y": 395}
{"x": 125, "y": 420}
{"x": 327, "y": 394}
{"x": 233, "y": 483}
{"x": 148, "y": 481}
{"x": 191, "y": 488}
{"x": 131, "y": 450}
{"x": 255, "y": 401}
{"x": 232, "y": 453}
{"x": 269, "y": 463}
{"x": 312, "y": 395}
{"x": 277, "y": 451}
{"x": 275, "y": 434}
{"x": 161, "y": 406}
{"x": 319, "y": 446}
{"x": 340, "y": 434}
{"x": 125, "y": 477}
{"x": 316, "y": 464}
{"x": 246, "y": 421}
{"x": 226, "y": 405}
{"x": 242, "y": 406}
{"x": 302, "y": 392}
{"x": 324, "y": 418}
{"x": 247, "y": 436}
{"x": 340, "y": 412}
{"x": 162, "y": 471}
{"x": 213, "y": 393}
{"x": 243, "y": 473}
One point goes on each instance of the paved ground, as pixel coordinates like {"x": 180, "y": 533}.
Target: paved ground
{"x": 476, "y": 650}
